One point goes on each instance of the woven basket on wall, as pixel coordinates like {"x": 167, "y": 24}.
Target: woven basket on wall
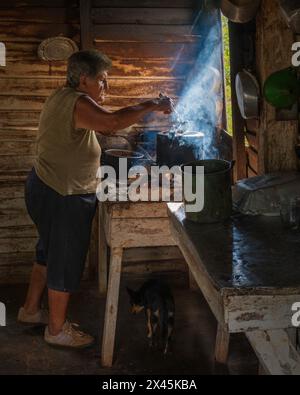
{"x": 56, "y": 49}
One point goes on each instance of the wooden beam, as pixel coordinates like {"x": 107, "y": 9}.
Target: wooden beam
{"x": 39, "y": 15}
{"x": 245, "y": 313}
{"x": 17, "y": 32}
{"x": 145, "y": 50}
{"x": 146, "y": 3}
{"x": 36, "y": 3}
{"x": 238, "y": 124}
{"x": 145, "y": 33}
{"x": 143, "y": 16}
{"x": 85, "y": 24}
{"x": 224, "y": 112}
{"x": 128, "y": 68}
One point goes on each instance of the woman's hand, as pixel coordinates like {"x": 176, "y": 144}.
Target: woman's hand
{"x": 164, "y": 104}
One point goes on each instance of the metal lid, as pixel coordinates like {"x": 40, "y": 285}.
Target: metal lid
{"x": 56, "y": 49}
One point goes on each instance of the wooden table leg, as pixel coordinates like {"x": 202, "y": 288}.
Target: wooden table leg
{"x": 222, "y": 344}
{"x": 111, "y": 310}
{"x": 102, "y": 254}
{"x": 275, "y": 351}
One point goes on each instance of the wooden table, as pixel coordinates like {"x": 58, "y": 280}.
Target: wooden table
{"x": 125, "y": 225}
{"x": 249, "y": 272}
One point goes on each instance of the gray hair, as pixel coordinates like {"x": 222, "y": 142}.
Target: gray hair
{"x": 89, "y": 62}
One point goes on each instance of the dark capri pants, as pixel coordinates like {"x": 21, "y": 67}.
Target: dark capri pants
{"x": 64, "y": 226}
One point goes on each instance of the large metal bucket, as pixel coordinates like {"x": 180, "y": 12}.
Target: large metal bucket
{"x": 217, "y": 190}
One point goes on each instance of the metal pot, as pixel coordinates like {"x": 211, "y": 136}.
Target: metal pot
{"x": 117, "y": 141}
{"x": 175, "y": 149}
{"x": 247, "y": 91}
{"x": 240, "y": 11}
{"x": 111, "y": 157}
{"x": 217, "y": 190}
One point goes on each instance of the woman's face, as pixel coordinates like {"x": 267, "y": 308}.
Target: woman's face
{"x": 95, "y": 87}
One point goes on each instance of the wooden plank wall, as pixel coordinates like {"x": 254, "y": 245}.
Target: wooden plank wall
{"x": 270, "y": 143}
{"x": 276, "y": 139}
{"x": 144, "y": 38}
{"x": 252, "y": 135}
{"x": 25, "y": 83}
{"x": 151, "y": 46}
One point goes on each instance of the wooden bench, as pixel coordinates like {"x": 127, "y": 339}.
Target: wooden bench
{"x": 248, "y": 270}
{"x": 121, "y": 226}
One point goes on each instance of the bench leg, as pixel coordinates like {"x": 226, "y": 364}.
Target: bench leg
{"x": 111, "y": 310}
{"x": 102, "y": 264}
{"x": 222, "y": 345}
{"x": 275, "y": 351}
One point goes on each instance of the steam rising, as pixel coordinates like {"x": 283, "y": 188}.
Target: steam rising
{"x": 200, "y": 106}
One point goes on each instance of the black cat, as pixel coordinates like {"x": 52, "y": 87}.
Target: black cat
{"x": 156, "y": 298}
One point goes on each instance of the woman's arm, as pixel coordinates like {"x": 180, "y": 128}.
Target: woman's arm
{"x": 89, "y": 115}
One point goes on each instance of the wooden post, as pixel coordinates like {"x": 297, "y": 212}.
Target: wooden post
{"x": 85, "y": 24}
{"x": 274, "y": 52}
{"x": 102, "y": 256}
{"x": 224, "y": 112}
{"x": 238, "y": 123}
{"x": 111, "y": 310}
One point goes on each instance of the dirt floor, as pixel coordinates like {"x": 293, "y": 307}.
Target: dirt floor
{"x": 23, "y": 350}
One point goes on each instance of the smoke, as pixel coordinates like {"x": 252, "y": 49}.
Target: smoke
{"x": 200, "y": 105}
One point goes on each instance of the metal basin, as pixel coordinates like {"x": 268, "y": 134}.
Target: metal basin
{"x": 247, "y": 91}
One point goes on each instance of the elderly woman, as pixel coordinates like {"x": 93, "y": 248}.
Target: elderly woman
{"x": 60, "y": 190}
